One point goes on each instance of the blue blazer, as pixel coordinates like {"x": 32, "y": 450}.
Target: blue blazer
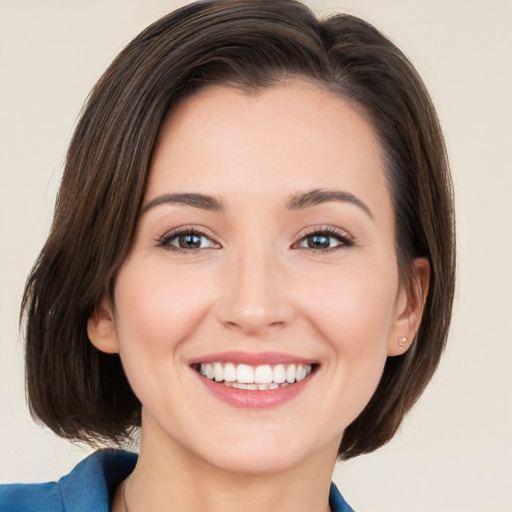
{"x": 90, "y": 487}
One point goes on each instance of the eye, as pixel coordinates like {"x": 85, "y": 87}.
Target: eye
{"x": 187, "y": 239}
{"x": 324, "y": 240}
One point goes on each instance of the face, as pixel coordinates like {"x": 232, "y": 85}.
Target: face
{"x": 261, "y": 297}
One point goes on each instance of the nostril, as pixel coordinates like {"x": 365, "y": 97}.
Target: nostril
{"x": 254, "y": 325}
{"x": 255, "y": 307}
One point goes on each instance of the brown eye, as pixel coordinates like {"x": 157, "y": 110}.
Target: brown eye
{"x": 191, "y": 241}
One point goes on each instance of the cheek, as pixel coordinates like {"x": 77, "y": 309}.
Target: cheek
{"x": 355, "y": 318}
{"x": 156, "y": 309}
{"x": 357, "y": 306}
{"x": 156, "y": 313}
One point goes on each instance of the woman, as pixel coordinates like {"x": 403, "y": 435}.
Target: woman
{"x": 252, "y": 259}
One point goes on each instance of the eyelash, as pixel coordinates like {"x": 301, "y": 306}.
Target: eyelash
{"x": 165, "y": 240}
{"x": 328, "y": 232}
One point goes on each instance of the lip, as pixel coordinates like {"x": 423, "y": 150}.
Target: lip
{"x": 251, "y": 358}
{"x": 254, "y": 399}
{"x": 245, "y": 398}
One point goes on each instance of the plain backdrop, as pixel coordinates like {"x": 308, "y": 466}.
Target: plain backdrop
{"x": 453, "y": 452}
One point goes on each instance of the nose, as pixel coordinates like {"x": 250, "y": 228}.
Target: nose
{"x": 255, "y": 297}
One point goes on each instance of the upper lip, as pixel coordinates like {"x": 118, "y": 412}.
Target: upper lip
{"x": 251, "y": 358}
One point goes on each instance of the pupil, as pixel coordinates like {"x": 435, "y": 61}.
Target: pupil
{"x": 189, "y": 241}
{"x": 316, "y": 241}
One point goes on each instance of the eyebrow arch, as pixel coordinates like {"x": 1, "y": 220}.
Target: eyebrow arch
{"x": 318, "y": 196}
{"x": 202, "y": 201}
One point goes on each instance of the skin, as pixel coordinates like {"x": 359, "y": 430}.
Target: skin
{"x": 255, "y": 285}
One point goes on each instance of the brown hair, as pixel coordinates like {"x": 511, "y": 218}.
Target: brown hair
{"x": 82, "y": 393}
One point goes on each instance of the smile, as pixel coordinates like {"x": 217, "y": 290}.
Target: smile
{"x": 255, "y": 378}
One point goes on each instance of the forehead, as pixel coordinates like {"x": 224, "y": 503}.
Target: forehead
{"x": 289, "y": 136}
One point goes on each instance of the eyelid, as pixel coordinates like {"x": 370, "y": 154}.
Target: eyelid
{"x": 164, "y": 240}
{"x": 342, "y": 235}
{"x": 346, "y": 239}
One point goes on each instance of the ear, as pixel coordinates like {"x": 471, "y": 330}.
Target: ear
{"x": 409, "y": 309}
{"x": 101, "y": 328}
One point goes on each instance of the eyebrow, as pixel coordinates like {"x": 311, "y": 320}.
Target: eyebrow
{"x": 319, "y": 196}
{"x": 201, "y": 201}
{"x": 296, "y": 201}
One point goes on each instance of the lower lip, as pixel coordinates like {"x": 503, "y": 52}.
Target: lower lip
{"x": 254, "y": 399}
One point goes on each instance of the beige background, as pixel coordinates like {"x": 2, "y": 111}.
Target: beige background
{"x": 454, "y": 451}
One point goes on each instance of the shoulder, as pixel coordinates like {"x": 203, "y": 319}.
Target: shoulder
{"x": 337, "y": 502}
{"x": 88, "y": 487}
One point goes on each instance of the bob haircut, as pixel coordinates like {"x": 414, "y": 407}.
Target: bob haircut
{"x": 81, "y": 393}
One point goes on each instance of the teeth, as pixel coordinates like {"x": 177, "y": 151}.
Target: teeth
{"x": 263, "y": 374}
{"x": 301, "y": 373}
{"x": 209, "y": 371}
{"x": 244, "y": 374}
{"x": 279, "y": 374}
{"x": 218, "y": 371}
{"x": 291, "y": 371}
{"x": 229, "y": 372}
{"x": 261, "y": 377}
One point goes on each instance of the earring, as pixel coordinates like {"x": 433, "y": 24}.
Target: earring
{"x": 402, "y": 341}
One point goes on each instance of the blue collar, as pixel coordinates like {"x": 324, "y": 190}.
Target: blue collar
{"x": 91, "y": 486}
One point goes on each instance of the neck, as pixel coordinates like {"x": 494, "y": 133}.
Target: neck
{"x": 167, "y": 477}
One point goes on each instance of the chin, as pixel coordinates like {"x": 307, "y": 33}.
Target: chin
{"x": 265, "y": 455}
{"x": 257, "y": 461}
